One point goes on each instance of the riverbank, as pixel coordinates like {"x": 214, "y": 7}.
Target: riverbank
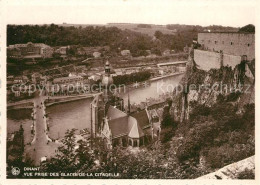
{"x": 165, "y": 76}
{"x": 64, "y": 99}
{"x": 52, "y": 100}
{"x": 28, "y": 104}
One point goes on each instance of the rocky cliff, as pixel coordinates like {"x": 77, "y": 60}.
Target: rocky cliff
{"x": 214, "y": 112}
{"x": 206, "y": 87}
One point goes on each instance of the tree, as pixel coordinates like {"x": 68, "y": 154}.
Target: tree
{"x": 167, "y": 117}
{"x": 69, "y": 158}
{"x": 15, "y": 154}
{"x": 158, "y": 34}
{"x": 250, "y": 28}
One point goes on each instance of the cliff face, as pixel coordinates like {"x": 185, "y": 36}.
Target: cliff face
{"x": 201, "y": 87}
{"x": 214, "y": 127}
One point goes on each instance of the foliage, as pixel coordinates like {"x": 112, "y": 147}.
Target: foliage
{"x": 222, "y": 134}
{"x": 91, "y": 36}
{"x": 167, "y": 118}
{"x": 211, "y": 133}
{"x": 88, "y": 36}
{"x": 197, "y": 28}
{"x": 15, "y": 154}
{"x": 144, "y": 26}
{"x": 70, "y": 158}
{"x": 247, "y": 174}
{"x": 167, "y": 134}
{"x": 202, "y": 110}
{"x": 131, "y": 78}
{"x": 250, "y": 28}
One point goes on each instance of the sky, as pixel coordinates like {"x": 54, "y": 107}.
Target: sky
{"x": 235, "y": 13}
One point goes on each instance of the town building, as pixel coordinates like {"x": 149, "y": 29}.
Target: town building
{"x": 94, "y": 77}
{"x": 71, "y": 79}
{"x": 10, "y": 80}
{"x": 125, "y": 52}
{"x": 29, "y": 50}
{"x": 166, "y": 52}
{"x": 62, "y": 50}
{"x": 96, "y": 54}
{"x": 14, "y": 52}
{"x": 119, "y": 72}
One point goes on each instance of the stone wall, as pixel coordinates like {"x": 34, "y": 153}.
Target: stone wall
{"x": 233, "y": 170}
{"x": 231, "y": 60}
{"x": 207, "y": 60}
{"x": 230, "y": 43}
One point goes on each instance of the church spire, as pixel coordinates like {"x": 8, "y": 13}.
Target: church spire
{"x": 129, "y": 105}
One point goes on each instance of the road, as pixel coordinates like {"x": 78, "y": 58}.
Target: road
{"x": 41, "y": 145}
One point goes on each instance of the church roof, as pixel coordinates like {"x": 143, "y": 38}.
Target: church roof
{"x": 114, "y": 113}
{"x": 135, "y": 131}
{"x": 119, "y": 126}
{"x": 98, "y": 100}
{"x": 142, "y": 118}
{"x": 122, "y": 124}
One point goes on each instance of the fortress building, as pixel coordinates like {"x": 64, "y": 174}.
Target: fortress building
{"x": 231, "y": 43}
{"x": 224, "y": 49}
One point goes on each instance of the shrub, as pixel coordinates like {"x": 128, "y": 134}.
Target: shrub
{"x": 199, "y": 110}
{"x": 247, "y": 174}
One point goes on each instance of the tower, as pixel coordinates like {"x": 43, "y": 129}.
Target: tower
{"x": 107, "y": 81}
{"x": 128, "y": 105}
{"x": 102, "y": 101}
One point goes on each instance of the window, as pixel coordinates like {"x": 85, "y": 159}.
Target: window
{"x": 141, "y": 141}
{"x": 248, "y": 45}
{"x": 216, "y": 42}
{"x": 130, "y": 142}
{"x": 231, "y": 43}
{"x": 135, "y": 143}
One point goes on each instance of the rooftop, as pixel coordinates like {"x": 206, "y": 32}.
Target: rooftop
{"x": 122, "y": 124}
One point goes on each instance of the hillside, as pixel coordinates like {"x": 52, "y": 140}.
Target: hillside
{"x": 148, "y": 29}
{"x": 216, "y": 125}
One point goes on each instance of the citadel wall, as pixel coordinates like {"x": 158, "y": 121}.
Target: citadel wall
{"x": 237, "y": 44}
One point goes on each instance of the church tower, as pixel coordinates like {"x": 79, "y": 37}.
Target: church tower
{"x": 107, "y": 81}
{"x": 101, "y": 102}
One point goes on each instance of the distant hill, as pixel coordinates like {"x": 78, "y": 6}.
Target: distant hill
{"x": 148, "y": 29}
{"x": 138, "y": 38}
{"x": 170, "y": 29}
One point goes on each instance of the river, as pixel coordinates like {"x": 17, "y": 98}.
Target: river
{"x": 76, "y": 114}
